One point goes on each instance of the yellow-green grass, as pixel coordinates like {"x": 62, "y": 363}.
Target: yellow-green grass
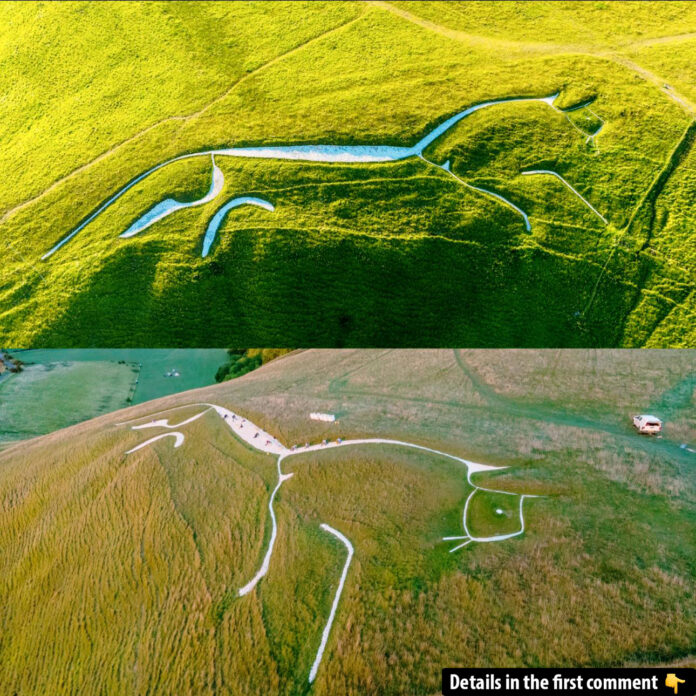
{"x": 334, "y": 265}
{"x": 121, "y": 572}
{"x": 673, "y": 61}
{"x": 587, "y": 26}
{"x": 94, "y": 77}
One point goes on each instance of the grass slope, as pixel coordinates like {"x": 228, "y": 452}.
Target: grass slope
{"x": 61, "y": 387}
{"x": 197, "y": 367}
{"x": 384, "y": 254}
{"x": 120, "y": 572}
{"x": 53, "y": 395}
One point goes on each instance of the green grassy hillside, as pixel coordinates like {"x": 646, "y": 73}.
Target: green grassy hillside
{"x": 397, "y": 253}
{"x": 48, "y": 396}
{"x": 196, "y": 368}
{"x": 121, "y": 572}
{"x": 58, "y": 388}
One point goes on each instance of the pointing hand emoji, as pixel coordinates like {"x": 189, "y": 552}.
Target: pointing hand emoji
{"x": 673, "y": 681}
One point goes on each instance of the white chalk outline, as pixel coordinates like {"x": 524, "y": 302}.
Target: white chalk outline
{"x": 178, "y": 436}
{"x": 567, "y": 185}
{"x": 264, "y": 442}
{"x": 499, "y": 537}
{"x": 216, "y": 184}
{"x": 334, "y": 606}
{"x": 221, "y": 213}
{"x": 312, "y": 153}
{"x": 446, "y": 168}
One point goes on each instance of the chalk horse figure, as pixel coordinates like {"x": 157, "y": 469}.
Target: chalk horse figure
{"x": 262, "y": 441}
{"x": 343, "y": 154}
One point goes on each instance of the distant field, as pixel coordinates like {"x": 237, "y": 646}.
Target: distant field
{"x": 144, "y": 554}
{"x": 390, "y": 254}
{"x": 196, "y": 367}
{"x": 49, "y": 396}
{"x": 61, "y": 387}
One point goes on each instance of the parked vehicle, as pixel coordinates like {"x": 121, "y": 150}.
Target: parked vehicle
{"x": 649, "y": 425}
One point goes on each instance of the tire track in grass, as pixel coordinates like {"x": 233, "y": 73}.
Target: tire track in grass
{"x": 672, "y": 38}
{"x": 520, "y": 408}
{"x": 465, "y": 37}
{"x": 649, "y": 197}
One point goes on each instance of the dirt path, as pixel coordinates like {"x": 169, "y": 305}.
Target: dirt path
{"x": 465, "y": 37}
{"x": 655, "y": 79}
{"x": 503, "y": 44}
{"x": 673, "y": 38}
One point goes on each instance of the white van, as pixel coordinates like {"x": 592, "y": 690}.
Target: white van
{"x": 647, "y": 424}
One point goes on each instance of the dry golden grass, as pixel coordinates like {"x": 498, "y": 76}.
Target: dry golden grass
{"x": 119, "y": 574}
